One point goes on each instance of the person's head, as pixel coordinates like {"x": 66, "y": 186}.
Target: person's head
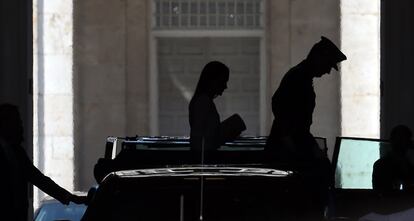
{"x": 213, "y": 79}
{"x": 324, "y": 56}
{"x": 400, "y": 138}
{"x": 11, "y": 126}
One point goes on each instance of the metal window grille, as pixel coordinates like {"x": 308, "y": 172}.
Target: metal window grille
{"x": 207, "y": 14}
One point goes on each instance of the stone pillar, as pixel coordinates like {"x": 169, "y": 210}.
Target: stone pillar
{"x": 53, "y": 93}
{"x": 360, "y": 77}
{"x": 110, "y": 77}
{"x": 137, "y": 70}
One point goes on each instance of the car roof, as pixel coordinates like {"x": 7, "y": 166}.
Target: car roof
{"x": 115, "y": 144}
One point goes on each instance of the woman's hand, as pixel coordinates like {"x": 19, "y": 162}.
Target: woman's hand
{"x": 78, "y": 199}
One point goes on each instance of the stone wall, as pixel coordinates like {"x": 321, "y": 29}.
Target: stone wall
{"x": 110, "y": 75}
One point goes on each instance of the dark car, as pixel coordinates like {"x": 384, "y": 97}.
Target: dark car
{"x": 161, "y": 178}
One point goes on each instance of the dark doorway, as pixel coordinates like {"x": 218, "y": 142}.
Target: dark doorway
{"x": 397, "y": 74}
{"x": 16, "y": 57}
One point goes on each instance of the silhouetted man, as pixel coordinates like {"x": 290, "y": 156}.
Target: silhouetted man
{"x": 395, "y": 170}
{"x": 18, "y": 170}
{"x": 293, "y": 104}
{"x": 290, "y": 141}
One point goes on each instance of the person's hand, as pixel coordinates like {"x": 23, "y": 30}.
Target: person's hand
{"x": 78, "y": 199}
{"x": 66, "y": 199}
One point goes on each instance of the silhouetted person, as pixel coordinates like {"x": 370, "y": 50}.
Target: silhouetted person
{"x": 290, "y": 141}
{"x": 18, "y": 170}
{"x": 206, "y": 129}
{"x": 394, "y": 170}
{"x": 293, "y": 104}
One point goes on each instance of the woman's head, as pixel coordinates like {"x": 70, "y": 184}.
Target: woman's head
{"x": 213, "y": 79}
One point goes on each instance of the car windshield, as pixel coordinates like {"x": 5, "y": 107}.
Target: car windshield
{"x": 159, "y": 151}
{"x": 166, "y": 151}
{"x": 354, "y": 160}
{"x": 182, "y": 143}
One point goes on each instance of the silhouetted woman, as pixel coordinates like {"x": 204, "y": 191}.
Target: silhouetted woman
{"x": 18, "y": 171}
{"x": 203, "y": 116}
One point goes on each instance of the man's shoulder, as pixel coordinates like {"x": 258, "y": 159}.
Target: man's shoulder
{"x": 298, "y": 70}
{"x": 295, "y": 75}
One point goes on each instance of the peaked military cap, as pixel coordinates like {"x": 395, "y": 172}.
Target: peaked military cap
{"x": 328, "y": 50}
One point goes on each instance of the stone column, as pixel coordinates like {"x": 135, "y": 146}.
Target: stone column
{"x": 360, "y": 78}
{"x": 53, "y": 92}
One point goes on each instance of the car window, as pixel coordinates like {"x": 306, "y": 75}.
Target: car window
{"x": 57, "y": 211}
{"x": 354, "y": 161}
{"x": 184, "y": 145}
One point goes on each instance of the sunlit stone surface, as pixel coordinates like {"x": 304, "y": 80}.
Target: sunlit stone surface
{"x": 360, "y": 78}
{"x": 53, "y": 149}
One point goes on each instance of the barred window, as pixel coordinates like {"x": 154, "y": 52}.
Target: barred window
{"x": 207, "y": 14}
